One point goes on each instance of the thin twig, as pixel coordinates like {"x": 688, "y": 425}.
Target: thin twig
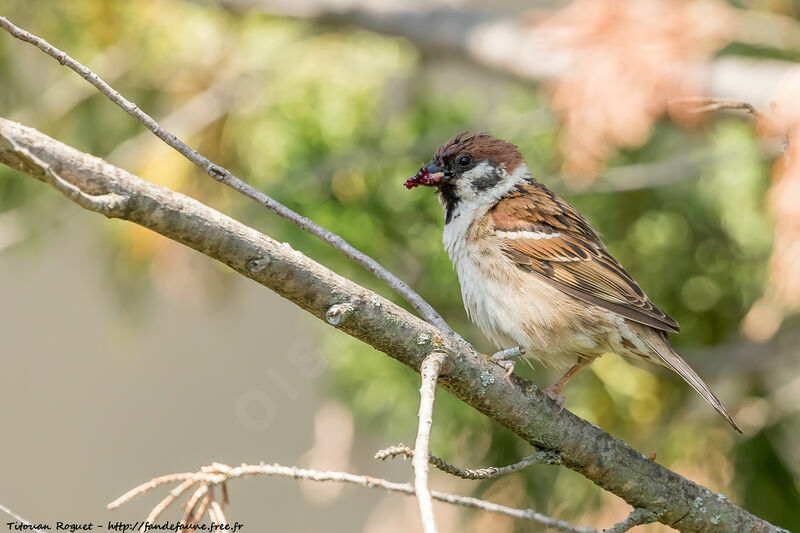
{"x": 224, "y": 176}
{"x": 217, "y": 473}
{"x": 549, "y": 458}
{"x": 64, "y": 94}
{"x": 201, "y": 509}
{"x": 215, "y": 511}
{"x": 150, "y": 485}
{"x": 708, "y": 104}
{"x": 173, "y": 495}
{"x": 429, "y": 370}
{"x": 637, "y": 517}
{"x": 18, "y": 518}
{"x": 193, "y": 501}
{"x": 193, "y": 116}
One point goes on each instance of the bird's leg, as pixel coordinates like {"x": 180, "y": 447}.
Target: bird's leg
{"x": 503, "y": 358}
{"x": 554, "y": 391}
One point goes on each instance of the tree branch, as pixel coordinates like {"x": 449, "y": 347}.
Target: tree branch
{"x": 224, "y": 176}
{"x": 361, "y": 313}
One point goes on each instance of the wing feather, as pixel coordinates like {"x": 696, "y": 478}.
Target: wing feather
{"x": 670, "y": 358}
{"x": 545, "y": 235}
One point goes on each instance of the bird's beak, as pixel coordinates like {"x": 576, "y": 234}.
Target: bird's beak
{"x": 431, "y": 175}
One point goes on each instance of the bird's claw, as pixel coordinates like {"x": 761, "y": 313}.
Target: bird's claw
{"x": 503, "y": 359}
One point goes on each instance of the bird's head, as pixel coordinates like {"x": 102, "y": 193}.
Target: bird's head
{"x": 469, "y": 168}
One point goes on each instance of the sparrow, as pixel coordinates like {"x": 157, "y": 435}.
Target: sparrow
{"x": 535, "y": 275}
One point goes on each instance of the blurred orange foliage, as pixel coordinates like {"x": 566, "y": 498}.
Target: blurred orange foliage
{"x": 783, "y": 292}
{"x": 629, "y": 59}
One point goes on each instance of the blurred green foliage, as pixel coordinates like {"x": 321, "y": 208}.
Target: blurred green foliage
{"x": 330, "y": 121}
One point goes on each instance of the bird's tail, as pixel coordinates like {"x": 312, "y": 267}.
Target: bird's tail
{"x": 670, "y": 358}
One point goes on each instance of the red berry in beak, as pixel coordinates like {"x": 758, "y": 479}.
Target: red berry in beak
{"x": 423, "y": 177}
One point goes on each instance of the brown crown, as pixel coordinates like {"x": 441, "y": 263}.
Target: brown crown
{"x": 481, "y": 146}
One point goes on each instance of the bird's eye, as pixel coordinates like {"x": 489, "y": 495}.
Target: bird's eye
{"x": 464, "y": 161}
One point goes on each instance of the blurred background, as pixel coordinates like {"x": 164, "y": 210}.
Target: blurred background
{"x": 126, "y": 356}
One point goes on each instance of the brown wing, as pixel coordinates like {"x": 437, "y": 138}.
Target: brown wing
{"x": 548, "y": 237}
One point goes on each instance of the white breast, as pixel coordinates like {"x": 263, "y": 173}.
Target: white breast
{"x": 512, "y": 307}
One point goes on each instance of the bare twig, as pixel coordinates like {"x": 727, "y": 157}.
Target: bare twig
{"x": 637, "y": 517}
{"x": 18, "y": 518}
{"x": 192, "y": 503}
{"x": 707, "y": 104}
{"x": 173, "y": 495}
{"x": 150, "y": 485}
{"x": 215, "y": 511}
{"x": 548, "y": 458}
{"x": 224, "y": 176}
{"x": 217, "y": 473}
{"x": 429, "y": 370}
{"x": 201, "y": 509}
{"x": 66, "y": 93}
{"x": 201, "y": 110}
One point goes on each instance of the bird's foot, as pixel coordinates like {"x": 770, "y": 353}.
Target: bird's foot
{"x": 503, "y": 359}
{"x": 554, "y": 393}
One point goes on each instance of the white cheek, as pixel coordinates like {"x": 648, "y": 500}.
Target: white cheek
{"x": 464, "y": 186}
{"x": 468, "y": 194}
{"x": 464, "y": 190}
{"x": 477, "y": 171}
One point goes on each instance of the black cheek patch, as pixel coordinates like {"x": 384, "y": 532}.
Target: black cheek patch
{"x": 487, "y": 181}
